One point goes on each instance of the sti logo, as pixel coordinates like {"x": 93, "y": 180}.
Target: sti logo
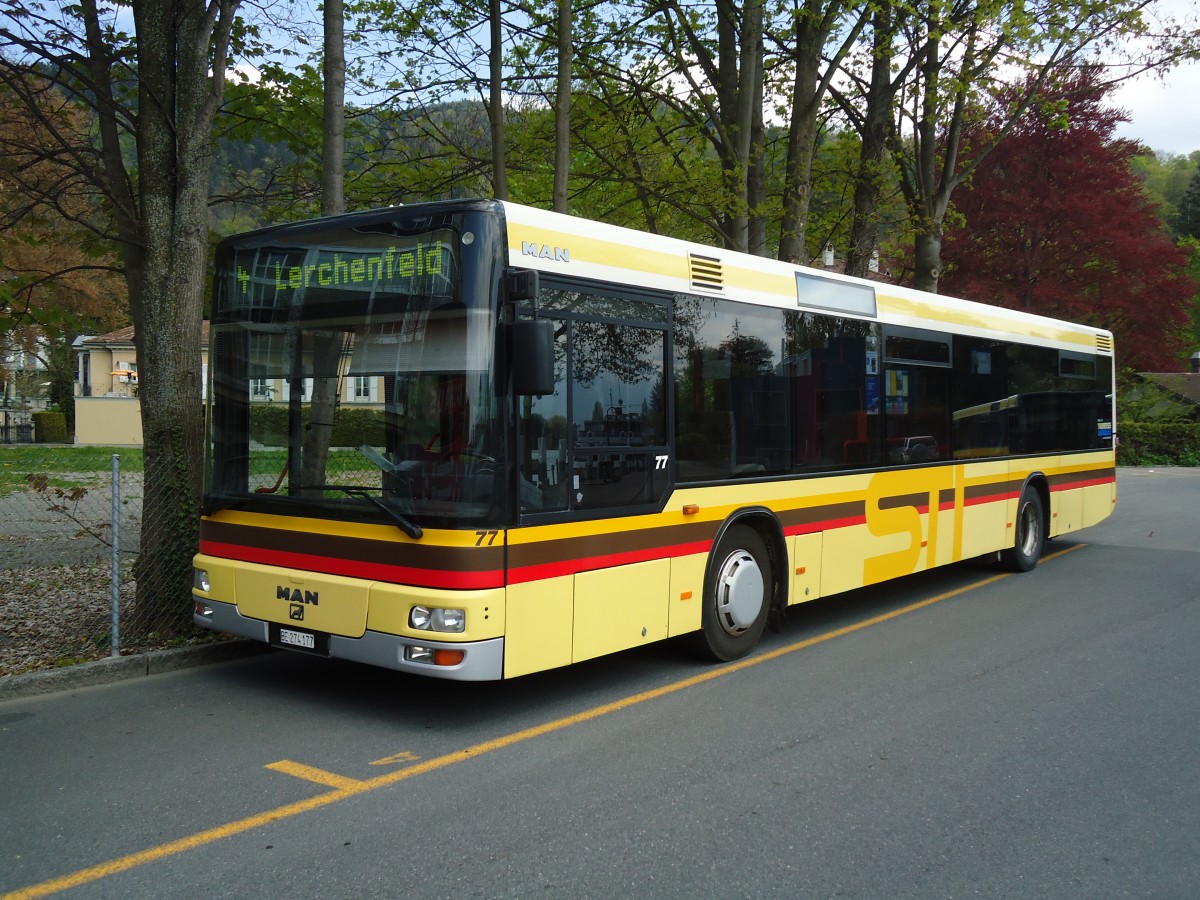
{"x": 295, "y": 595}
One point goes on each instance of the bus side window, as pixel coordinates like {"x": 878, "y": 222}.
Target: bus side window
{"x": 543, "y": 471}
{"x": 618, "y": 415}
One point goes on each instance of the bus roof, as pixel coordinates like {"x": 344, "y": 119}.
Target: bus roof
{"x": 562, "y": 244}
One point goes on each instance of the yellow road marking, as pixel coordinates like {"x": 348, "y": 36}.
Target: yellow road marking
{"x": 309, "y": 773}
{"x": 350, "y": 787}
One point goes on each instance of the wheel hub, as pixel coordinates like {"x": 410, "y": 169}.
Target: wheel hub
{"x": 1030, "y": 529}
{"x": 739, "y": 592}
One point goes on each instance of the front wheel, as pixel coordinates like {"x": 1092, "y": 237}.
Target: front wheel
{"x": 1030, "y": 539}
{"x": 737, "y": 595}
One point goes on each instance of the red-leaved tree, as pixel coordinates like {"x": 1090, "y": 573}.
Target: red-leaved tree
{"x": 1055, "y": 222}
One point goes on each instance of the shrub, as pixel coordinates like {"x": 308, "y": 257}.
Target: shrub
{"x": 351, "y": 427}
{"x": 269, "y": 424}
{"x": 1167, "y": 444}
{"x": 355, "y": 427}
{"x": 49, "y": 427}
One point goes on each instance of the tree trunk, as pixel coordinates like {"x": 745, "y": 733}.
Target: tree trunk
{"x": 802, "y": 139}
{"x": 326, "y": 352}
{"x": 496, "y": 102}
{"x": 178, "y": 99}
{"x": 922, "y": 185}
{"x": 726, "y": 86}
{"x": 333, "y": 159}
{"x": 742, "y": 86}
{"x": 756, "y": 178}
{"x": 872, "y": 162}
{"x": 562, "y": 109}
{"x": 927, "y": 260}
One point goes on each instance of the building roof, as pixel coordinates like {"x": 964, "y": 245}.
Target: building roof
{"x": 1183, "y": 384}
{"x": 120, "y": 336}
{"x": 123, "y": 337}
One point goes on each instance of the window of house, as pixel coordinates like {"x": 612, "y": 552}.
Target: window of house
{"x": 362, "y": 389}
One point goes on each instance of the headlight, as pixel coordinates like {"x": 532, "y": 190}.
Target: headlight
{"x": 200, "y": 580}
{"x": 438, "y": 619}
{"x": 449, "y": 620}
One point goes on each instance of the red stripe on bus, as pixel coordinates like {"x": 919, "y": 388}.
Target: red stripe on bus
{"x": 815, "y": 527}
{"x": 990, "y": 498}
{"x": 433, "y": 578}
{"x": 1082, "y": 483}
{"x": 525, "y": 574}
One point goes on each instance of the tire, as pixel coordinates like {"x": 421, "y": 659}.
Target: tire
{"x": 1030, "y": 540}
{"x": 737, "y": 595}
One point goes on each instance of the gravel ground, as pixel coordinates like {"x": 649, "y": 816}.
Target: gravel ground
{"x": 56, "y": 615}
{"x": 55, "y": 577}
{"x": 55, "y": 582}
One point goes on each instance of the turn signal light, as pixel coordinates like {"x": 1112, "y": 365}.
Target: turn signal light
{"x": 434, "y": 656}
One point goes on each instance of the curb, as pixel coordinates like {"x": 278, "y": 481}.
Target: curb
{"x": 122, "y": 668}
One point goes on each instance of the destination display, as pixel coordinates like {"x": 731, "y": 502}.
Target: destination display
{"x": 274, "y": 275}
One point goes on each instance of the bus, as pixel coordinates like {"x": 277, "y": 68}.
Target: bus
{"x": 475, "y": 440}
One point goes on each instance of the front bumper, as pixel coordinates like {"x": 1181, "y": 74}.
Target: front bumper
{"x": 482, "y": 660}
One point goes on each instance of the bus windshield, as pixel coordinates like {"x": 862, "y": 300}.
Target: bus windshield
{"x": 352, "y": 377}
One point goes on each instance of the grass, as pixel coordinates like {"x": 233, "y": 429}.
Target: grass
{"x": 64, "y": 465}
{"x": 70, "y": 467}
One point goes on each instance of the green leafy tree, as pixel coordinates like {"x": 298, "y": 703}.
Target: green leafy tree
{"x": 1191, "y": 246}
{"x": 1189, "y": 208}
{"x": 1166, "y": 177}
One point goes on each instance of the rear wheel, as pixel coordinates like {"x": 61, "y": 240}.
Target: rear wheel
{"x": 1030, "y": 539}
{"x": 737, "y": 595}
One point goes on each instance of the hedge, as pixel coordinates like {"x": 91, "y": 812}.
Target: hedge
{"x": 351, "y": 427}
{"x": 1148, "y": 444}
{"x": 355, "y": 427}
{"x": 50, "y": 427}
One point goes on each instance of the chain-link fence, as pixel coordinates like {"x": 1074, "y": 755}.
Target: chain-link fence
{"x": 68, "y": 542}
{"x": 71, "y": 529}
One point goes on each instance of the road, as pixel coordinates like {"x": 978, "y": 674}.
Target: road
{"x": 957, "y": 734}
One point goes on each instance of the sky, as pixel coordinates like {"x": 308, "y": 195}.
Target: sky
{"x": 1165, "y": 114}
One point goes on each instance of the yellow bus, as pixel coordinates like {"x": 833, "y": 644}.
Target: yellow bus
{"x": 475, "y": 440}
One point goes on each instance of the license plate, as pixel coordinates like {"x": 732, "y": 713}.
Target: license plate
{"x": 297, "y": 639}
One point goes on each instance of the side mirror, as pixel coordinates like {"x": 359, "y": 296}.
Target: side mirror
{"x": 533, "y": 357}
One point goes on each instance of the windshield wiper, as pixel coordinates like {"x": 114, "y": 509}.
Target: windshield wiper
{"x": 412, "y": 529}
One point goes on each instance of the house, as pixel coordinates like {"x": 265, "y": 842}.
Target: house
{"x": 107, "y": 409}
